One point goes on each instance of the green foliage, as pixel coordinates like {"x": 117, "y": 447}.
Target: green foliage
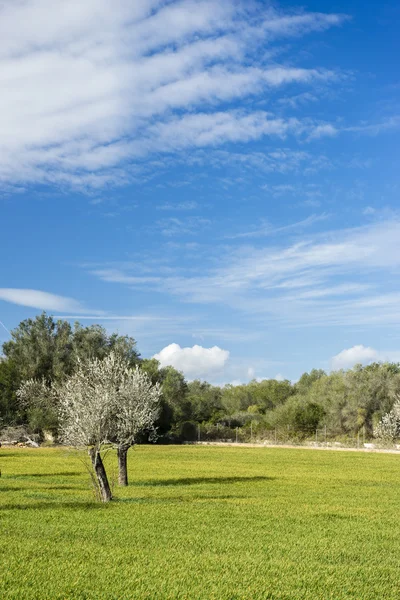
{"x": 41, "y": 348}
{"x": 204, "y": 523}
{"x": 94, "y": 342}
{"x": 307, "y": 417}
{"x": 188, "y": 431}
{"x": 266, "y": 394}
{"x": 174, "y": 390}
{"x": 308, "y": 379}
{"x": 270, "y": 393}
{"x": 152, "y": 367}
{"x": 9, "y": 384}
{"x": 205, "y": 400}
{"x": 343, "y": 401}
{"x": 175, "y": 407}
{"x": 45, "y": 349}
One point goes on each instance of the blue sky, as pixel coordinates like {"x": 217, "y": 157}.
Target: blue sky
{"x": 218, "y": 179}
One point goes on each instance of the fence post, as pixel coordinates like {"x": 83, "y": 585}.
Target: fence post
{"x": 275, "y": 435}
{"x": 198, "y": 433}
{"x": 325, "y": 435}
{"x": 363, "y": 434}
{"x": 316, "y": 436}
{"x": 251, "y": 432}
{"x": 237, "y": 429}
{"x": 358, "y": 439}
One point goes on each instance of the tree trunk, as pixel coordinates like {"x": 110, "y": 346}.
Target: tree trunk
{"x": 122, "y": 453}
{"x": 101, "y": 475}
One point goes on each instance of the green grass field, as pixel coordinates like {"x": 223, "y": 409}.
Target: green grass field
{"x": 202, "y": 523}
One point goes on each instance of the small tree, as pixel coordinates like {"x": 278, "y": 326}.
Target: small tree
{"x": 136, "y": 410}
{"x": 388, "y": 428}
{"x": 87, "y": 401}
{"x": 39, "y": 401}
{"x": 104, "y": 402}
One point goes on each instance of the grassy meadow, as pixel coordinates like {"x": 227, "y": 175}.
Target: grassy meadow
{"x": 221, "y": 523}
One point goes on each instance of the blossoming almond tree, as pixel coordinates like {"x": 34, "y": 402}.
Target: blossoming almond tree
{"x": 86, "y": 403}
{"x": 103, "y": 402}
{"x": 388, "y": 428}
{"x": 136, "y": 410}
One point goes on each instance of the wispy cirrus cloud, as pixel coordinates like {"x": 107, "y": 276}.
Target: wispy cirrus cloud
{"x": 330, "y": 130}
{"x": 42, "y": 300}
{"x": 179, "y": 206}
{"x": 281, "y": 160}
{"x": 329, "y": 278}
{"x": 111, "y": 84}
{"x": 266, "y": 229}
{"x": 173, "y": 226}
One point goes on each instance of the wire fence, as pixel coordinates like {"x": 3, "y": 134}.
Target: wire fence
{"x": 321, "y": 437}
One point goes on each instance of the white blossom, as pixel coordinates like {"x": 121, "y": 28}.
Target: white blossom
{"x": 106, "y": 401}
{"x": 389, "y": 426}
{"x": 34, "y": 390}
{"x": 137, "y": 405}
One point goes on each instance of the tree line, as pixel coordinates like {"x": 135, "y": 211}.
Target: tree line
{"x": 50, "y": 351}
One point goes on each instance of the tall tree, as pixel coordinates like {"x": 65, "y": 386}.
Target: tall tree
{"x": 41, "y": 404}
{"x": 94, "y": 342}
{"x": 49, "y": 349}
{"x": 9, "y": 383}
{"x": 41, "y": 348}
{"x": 174, "y": 404}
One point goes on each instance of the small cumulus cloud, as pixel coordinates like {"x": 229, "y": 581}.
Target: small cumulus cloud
{"x": 352, "y": 356}
{"x": 363, "y": 355}
{"x": 195, "y": 361}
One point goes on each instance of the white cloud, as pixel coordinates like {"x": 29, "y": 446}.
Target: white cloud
{"x": 267, "y": 229}
{"x": 298, "y": 100}
{"x": 329, "y": 278}
{"x": 362, "y": 355}
{"x": 39, "y": 299}
{"x": 211, "y": 129}
{"x": 87, "y": 87}
{"x": 173, "y": 226}
{"x": 387, "y": 124}
{"x": 186, "y": 205}
{"x": 353, "y": 356}
{"x": 282, "y": 160}
{"x": 195, "y": 361}
{"x": 326, "y": 130}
